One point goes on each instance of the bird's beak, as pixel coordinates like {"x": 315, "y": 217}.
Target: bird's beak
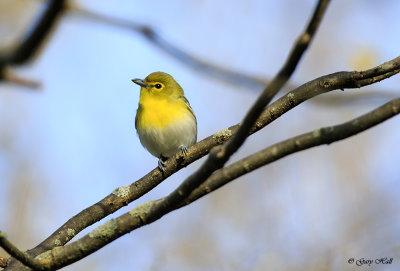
{"x": 140, "y": 82}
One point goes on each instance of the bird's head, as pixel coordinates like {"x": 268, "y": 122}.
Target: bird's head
{"x": 160, "y": 84}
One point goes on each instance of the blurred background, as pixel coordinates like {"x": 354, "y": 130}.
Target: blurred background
{"x": 72, "y": 141}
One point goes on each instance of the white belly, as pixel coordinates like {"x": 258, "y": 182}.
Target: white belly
{"x": 168, "y": 141}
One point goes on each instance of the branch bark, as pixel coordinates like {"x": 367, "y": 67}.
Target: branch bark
{"x": 126, "y": 194}
{"x": 144, "y": 214}
{"x": 220, "y": 156}
{"x": 217, "y": 161}
{"x": 325, "y": 135}
{"x": 3, "y": 262}
{"x": 61, "y": 256}
{"x": 22, "y": 256}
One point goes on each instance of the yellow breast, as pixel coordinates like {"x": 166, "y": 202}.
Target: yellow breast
{"x": 159, "y": 112}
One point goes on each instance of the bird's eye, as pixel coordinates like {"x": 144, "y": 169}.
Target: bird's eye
{"x": 158, "y": 86}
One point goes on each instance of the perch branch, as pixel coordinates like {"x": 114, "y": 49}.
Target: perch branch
{"x": 325, "y": 135}
{"x": 126, "y": 194}
{"x": 144, "y": 214}
{"x": 219, "y": 156}
{"x": 3, "y": 262}
{"x": 21, "y": 256}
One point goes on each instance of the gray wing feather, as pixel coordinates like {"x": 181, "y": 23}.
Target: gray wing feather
{"x": 183, "y": 98}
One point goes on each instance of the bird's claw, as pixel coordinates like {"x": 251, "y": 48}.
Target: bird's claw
{"x": 161, "y": 164}
{"x": 184, "y": 150}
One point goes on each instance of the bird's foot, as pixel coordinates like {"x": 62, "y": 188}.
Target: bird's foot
{"x": 161, "y": 163}
{"x": 182, "y": 154}
{"x": 184, "y": 150}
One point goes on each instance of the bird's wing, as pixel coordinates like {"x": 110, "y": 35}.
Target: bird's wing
{"x": 183, "y": 98}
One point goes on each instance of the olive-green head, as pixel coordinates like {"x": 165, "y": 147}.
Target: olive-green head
{"x": 160, "y": 84}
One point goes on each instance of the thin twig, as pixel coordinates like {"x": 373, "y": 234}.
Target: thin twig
{"x": 12, "y": 77}
{"x": 34, "y": 38}
{"x": 21, "y": 256}
{"x": 222, "y": 73}
{"x": 279, "y": 80}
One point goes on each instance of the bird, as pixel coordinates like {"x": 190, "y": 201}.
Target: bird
{"x": 165, "y": 121}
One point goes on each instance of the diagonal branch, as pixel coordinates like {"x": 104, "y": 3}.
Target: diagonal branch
{"x": 216, "y": 160}
{"x": 325, "y": 135}
{"x": 222, "y": 73}
{"x": 143, "y": 214}
{"x": 123, "y": 195}
{"x": 34, "y": 38}
{"x": 21, "y": 256}
{"x": 279, "y": 80}
{"x": 12, "y": 77}
{"x": 126, "y": 194}
{"x": 219, "y": 157}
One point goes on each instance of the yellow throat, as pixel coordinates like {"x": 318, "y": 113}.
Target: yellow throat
{"x": 159, "y": 112}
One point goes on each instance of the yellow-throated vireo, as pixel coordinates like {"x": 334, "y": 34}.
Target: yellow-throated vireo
{"x": 165, "y": 122}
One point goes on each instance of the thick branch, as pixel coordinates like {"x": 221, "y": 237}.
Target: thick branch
{"x": 217, "y": 160}
{"x": 124, "y": 195}
{"x": 325, "y": 135}
{"x": 143, "y": 214}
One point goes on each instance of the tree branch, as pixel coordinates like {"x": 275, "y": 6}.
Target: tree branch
{"x": 123, "y": 195}
{"x": 3, "y": 262}
{"x": 222, "y": 73}
{"x": 279, "y": 80}
{"x": 143, "y": 214}
{"x": 32, "y": 41}
{"x": 217, "y": 160}
{"x": 21, "y": 256}
{"x": 220, "y": 156}
{"x": 126, "y": 194}
{"x": 325, "y": 135}
{"x": 11, "y": 77}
